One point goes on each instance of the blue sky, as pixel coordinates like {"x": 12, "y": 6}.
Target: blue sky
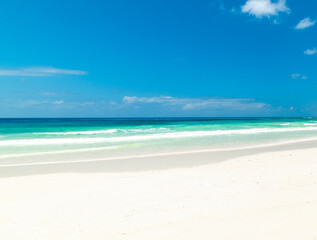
{"x": 150, "y": 58}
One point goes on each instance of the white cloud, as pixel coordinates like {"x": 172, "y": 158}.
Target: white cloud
{"x": 310, "y": 51}
{"x": 58, "y": 102}
{"x": 36, "y": 102}
{"x": 297, "y": 75}
{"x": 39, "y": 71}
{"x": 33, "y": 103}
{"x": 305, "y": 23}
{"x": 54, "y": 104}
{"x": 162, "y": 99}
{"x": 264, "y": 8}
{"x": 199, "y": 103}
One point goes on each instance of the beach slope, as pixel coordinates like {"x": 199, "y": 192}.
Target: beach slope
{"x": 263, "y": 195}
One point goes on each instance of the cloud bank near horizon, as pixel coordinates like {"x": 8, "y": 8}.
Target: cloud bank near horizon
{"x": 199, "y": 103}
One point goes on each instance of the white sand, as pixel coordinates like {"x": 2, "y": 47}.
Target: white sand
{"x": 270, "y": 195}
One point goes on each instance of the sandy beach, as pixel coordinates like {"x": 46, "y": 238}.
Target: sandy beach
{"x": 263, "y": 193}
{"x": 158, "y": 120}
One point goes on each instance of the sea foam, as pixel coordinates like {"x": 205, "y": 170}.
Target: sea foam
{"x": 156, "y": 136}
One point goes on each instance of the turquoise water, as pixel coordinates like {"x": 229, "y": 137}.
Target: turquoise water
{"x": 25, "y": 141}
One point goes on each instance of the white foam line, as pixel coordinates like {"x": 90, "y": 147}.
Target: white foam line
{"x": 150, "y": 130}
{"x": 160, "y": 154}
{"x": 58, "y": 141}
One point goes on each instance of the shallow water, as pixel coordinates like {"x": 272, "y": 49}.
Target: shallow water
{"x": 24, "y": 141}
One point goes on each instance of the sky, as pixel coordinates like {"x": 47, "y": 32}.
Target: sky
{"x": 158, "y": 58}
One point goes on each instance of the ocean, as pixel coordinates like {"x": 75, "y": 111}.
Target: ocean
{"x": 40, "y": 141}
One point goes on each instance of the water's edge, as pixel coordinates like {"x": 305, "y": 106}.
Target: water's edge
{"x": 149, "y": 163}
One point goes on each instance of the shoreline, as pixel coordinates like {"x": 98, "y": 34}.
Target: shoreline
{"x": 147, "y": 162}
